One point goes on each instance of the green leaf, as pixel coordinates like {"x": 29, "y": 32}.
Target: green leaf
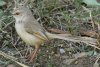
{"x": 91, "y": 2}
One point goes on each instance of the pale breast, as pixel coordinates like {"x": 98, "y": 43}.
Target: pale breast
{"x": 26, "y": 37}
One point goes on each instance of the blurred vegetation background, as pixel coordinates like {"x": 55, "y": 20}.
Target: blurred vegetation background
{"x": 77, "y": 17}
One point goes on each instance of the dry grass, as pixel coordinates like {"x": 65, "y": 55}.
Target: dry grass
{"x": 66, "y": 15}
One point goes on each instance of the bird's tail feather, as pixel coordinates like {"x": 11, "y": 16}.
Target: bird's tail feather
{"x": 71, "y": 38}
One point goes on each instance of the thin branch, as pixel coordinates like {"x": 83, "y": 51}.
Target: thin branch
{"x": 12, "y": 59}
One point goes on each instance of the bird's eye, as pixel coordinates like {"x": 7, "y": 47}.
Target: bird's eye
{"x": 17, "y": 13}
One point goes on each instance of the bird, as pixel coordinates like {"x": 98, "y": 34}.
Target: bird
{"x": 33, "y": 33}
{"x": 30, "y": 30}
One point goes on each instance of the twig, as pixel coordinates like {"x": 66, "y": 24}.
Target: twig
{"x": 12, "y": 59}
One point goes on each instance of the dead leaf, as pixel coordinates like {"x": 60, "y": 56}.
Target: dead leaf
{"x": 89, "y": 33}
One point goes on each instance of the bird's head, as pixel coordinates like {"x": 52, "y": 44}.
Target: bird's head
{"x": 20, "y": 10}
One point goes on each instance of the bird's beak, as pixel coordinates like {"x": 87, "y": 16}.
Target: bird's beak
{"x": 13, "y": 12}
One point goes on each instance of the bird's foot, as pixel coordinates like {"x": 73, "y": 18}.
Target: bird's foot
{"x": 31, "y": 57}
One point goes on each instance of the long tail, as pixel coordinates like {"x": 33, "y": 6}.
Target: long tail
{"x": 86, "y": 40}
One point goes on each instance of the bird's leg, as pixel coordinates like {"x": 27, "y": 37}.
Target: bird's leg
{"x": 33, "y": 54}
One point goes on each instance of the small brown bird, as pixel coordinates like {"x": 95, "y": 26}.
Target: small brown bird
{"x": 29, "y": 29}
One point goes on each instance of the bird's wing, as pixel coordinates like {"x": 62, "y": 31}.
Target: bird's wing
{"x": 34, "y": 28}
